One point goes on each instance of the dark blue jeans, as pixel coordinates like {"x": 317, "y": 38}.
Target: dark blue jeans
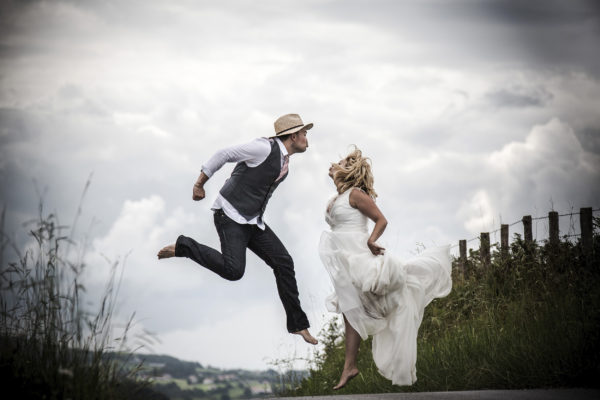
{"x": 230, "y": 263}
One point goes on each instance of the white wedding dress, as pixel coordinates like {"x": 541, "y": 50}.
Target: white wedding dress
{"x": 381, "y": 295}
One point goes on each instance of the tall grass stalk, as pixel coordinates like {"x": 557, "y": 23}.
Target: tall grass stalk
{"x": 50, "y": 346}
{"x": 529, "y": 320}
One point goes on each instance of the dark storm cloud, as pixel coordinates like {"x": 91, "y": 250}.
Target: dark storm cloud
{"x": 554, "y": 32}
{"x": 590, "y": 139}
{"x": 519, "y": 97}
{"x": 541, "y": 12}
{"x": 13, "y": 126}
{"x": 25, "y": 176}
{"x": 541, "y": 34}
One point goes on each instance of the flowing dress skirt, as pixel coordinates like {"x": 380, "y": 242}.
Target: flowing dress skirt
{"x": 384, "y": 297}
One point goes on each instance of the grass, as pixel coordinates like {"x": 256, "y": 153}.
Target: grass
{"x": 50, "y": 346}
{"x": 531, "y": 319}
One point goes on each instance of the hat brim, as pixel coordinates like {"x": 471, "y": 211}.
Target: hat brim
{"x": 298, "y": 129}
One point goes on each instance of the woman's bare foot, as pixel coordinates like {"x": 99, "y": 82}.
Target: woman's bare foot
{"x": 345, "y": 378}
{"x": 167, "y": 251}
{"x": 308, "y": 338}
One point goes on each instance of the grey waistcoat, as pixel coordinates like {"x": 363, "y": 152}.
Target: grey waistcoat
{"x": 249, "y": 189}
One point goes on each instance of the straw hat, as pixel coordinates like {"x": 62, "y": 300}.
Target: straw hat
{"x": 288, "y": 124}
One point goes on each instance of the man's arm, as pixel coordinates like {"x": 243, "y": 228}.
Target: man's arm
{"x": 198, "y": 191}
{"x": 253, "y": 153}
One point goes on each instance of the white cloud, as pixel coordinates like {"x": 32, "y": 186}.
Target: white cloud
{"x": 252, "y": 337}
{"x": 552, "y": 145}
{"x": 550, "y": 165}
{"x": 477, "y": 213}
{"x": 142, "y": 228}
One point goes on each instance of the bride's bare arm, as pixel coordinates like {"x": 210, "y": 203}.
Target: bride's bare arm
{"x": 365, "y": 204}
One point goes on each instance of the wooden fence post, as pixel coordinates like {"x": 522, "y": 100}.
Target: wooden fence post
{"x": 586, "y": 223}
{"x": 553, "y": 217}
{"x": 462, "y": 245}
{"x": 504, "y": 239}
{"x": 528, "y": 236}
{"x": 485, "y": 248}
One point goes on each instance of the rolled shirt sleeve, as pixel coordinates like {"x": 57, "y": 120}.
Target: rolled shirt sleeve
{"x": 253, "y": 153}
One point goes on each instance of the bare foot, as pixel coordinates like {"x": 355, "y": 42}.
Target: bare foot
{"x": 345, "y": 378}
{"x": 167, "y": 252}
{"x": 308, "y": 338}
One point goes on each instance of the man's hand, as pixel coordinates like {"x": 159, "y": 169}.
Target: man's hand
{"x": 375, "y": 248}
{"x": 198, "y": 192}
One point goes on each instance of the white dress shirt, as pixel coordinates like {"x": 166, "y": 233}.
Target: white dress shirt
{"x": 253, "y": 154}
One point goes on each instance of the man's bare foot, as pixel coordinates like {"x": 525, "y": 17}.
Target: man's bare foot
{"x": 167, "y": 251}
{"x": 308, "y": 338}
{"x": 345, "y": 378}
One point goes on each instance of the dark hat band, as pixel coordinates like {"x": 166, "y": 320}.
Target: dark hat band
{"x": 289, "y": 129}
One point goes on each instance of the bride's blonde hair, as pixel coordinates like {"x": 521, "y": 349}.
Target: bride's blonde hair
{"x": 356, "y": 172}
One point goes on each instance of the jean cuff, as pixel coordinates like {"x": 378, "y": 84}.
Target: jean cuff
{"x": 298, "y": 329}
{"x": 178, "y": 246}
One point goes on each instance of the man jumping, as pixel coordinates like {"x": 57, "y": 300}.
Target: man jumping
{"x": 262, "y": 165}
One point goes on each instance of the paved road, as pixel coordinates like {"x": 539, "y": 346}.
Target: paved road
{"x": 533, "y": 394}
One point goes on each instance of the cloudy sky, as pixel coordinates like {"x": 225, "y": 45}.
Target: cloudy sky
{"x": 474, "y": 113}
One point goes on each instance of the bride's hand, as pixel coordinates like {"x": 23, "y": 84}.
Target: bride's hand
{"x": 375, "y": 248}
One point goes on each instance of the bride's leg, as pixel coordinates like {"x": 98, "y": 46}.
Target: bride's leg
{"x": 350, "y": 366}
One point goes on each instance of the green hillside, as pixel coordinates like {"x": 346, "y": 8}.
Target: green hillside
{"x": 180, "y": 379}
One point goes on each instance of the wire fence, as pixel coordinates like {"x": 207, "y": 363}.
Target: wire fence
{"x": 569, "y": 234}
